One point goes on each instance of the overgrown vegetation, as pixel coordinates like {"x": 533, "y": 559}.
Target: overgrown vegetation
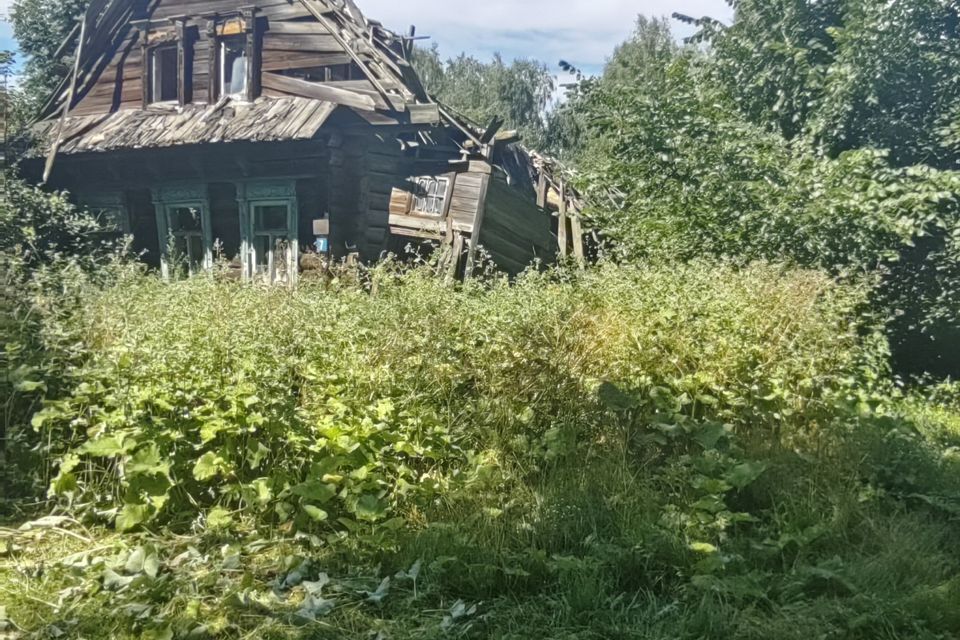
{"x": 693, "y": 452}
{"x": 813, "y": 132}
{"x": 703, "y": 436}
{"x": 48, "y": 252}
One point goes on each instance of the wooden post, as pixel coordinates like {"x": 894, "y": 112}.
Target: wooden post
{"x": 249, "y": 15}
{"x": 48, "y": 168}
{"x": 576, "y": 229}
{"x": 213, "y": 60}
{"x": 146, "y": 73}
{"x": 562, "y": 222}
{"x": 542, "y": 190}
{"x": 183, "y": 74}
{"x": 456, "y": 253}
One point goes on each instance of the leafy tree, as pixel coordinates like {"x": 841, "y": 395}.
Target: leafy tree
{"x": 847, "y": 73}
{"x": 520, "y": 91}
{"x": 643, "y": 58}
{"x": 40, "y": 27}
{"x": 809, "y": 132}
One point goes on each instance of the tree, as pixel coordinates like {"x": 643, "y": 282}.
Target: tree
{"x": 520, "y": 91}
{"x": 817, "y": 133}
{"x": 40, "y": 27}
{"x": 846, "y": 73}
{"x": 643, "y": 58}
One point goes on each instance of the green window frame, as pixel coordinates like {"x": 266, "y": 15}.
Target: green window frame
{"x": 184, "y": 226}
{"x": 269, "y": 227}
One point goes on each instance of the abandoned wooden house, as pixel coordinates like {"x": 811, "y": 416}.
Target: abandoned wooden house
{"x": 269, "y": 132}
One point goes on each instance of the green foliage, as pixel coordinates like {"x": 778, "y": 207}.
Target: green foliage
{"x": 340, "y": 407}
{"x": 642, "y": 59}
{"x": 49, "y": 253}
{"x": 699, "y": 451}
{"x": 40, "y": 27}
{"x": 847, "y": 74}
{"x": 518, "y": 92}
{"x": 794, "y": 137}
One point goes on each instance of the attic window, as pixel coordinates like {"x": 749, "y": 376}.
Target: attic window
{"x": 164, "y": 74}
{"x": 233, "y": 67}
{"x": 430, "y": 195}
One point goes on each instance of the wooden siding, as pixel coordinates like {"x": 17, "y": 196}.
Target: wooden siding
{"x": 292, "y": 38}
{"x": 515, "y": 231}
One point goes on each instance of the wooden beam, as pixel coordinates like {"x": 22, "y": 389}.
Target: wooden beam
{"x": 183, "y": 66}
{"x": 213, "y": 68}
{"x": 542, "y": 190}
{"x": 52, "y": 157}
{"x": 562, "y": 223}
{"x": 249, "y": 15}
{"x": 576, "y": 230}
{"x": 296, "y": 86}
{"x": 456, "y": 253}
{"x": 322, "y": 19}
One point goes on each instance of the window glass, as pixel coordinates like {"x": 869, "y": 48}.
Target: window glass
{"x": 190, "y": 249}
{"x": 271, "y": 217}
{"x": 233, "y": 67}
{"x": 185, "y": 219}
{"x": 430, "y": 195}
{"x": 165, "y": 74}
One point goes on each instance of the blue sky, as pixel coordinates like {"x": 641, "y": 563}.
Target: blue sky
{"x": 582, "y": 32}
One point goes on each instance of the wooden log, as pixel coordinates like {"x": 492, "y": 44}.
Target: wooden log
{"x": 298, "y": 87}
{"x": 562, "y": 223}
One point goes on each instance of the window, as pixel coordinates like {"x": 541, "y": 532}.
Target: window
{"x": 184, "y": 228}
{"x": 272, "y": 242}
{"x": 233, "y": 67}
{"x": 164, "y": 74}
{"x": 187, "y": 234}
{"x": 430, "y": 195}
{"x": 109, "y": 209}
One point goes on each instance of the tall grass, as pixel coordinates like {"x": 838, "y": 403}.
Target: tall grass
{"x": 645, "y": 452}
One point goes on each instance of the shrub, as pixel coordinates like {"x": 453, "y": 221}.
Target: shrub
{"x": 329, "y": 407}
{"x": 49, "y": 252}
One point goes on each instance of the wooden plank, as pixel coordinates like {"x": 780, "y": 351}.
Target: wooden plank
{"x": 576, "y": 230}
{"x": 296, "y": 86}
{"x": 68, "y": 103}
{"x": 477, "y": 227}
{"x": 346, "y": 47}
{"x": 542, "y": 190}
{"x": 456, "y": 255}
{"x": 424, "y": 114}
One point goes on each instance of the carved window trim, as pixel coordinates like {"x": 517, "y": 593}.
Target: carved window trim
{"x": 243, "y": 24}
{"x": 167, "y": 201}
{"x": 280, "y": 267}
{"x": 152, "y": 41}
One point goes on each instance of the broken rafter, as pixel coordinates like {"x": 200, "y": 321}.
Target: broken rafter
{"x": 52, "y": 157}
{"x": 335, "y": 32}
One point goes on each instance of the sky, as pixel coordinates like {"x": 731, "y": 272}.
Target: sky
{"x": 582, "y": 32}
